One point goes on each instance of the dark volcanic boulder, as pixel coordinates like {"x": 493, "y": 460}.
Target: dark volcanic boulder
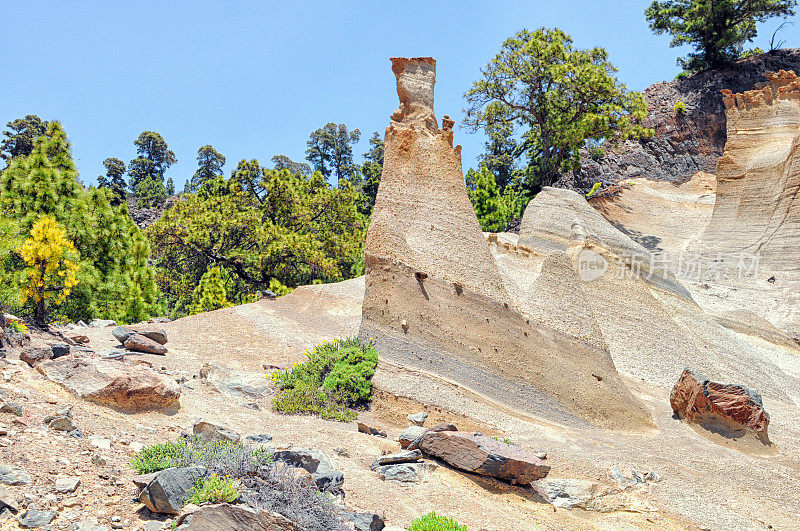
{"x": 483, "y": 455}
{"x": 167, "y": 490}
{"x": 721, "y": 407}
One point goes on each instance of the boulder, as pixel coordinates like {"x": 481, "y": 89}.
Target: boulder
{"x": 315, "y": 462}
{"x": 65, "y": 484}
{"x": 35, "y": 355}
{"x": 59, "y": 349}
{"x": 140, "y": 343}
{"x": 15, "y": 408}
{"x": 11, "y": 475}
{"x": 259, "y": 438}
{"x": 571, "y": 493}
{"x": 371, "y": 430}
{"x": 406, "y": 456}
{"x": 122, "y": 333}
{"x": 366, "y": 521}
{"x": 127, "y": 387}
{"x": 214, "y": 433}
{"x": 418, "y": 418}
{"x": 727, "y": 409}
{"x": 79, "y": 339}
{"x": 59, "y": 423}
{"x": 404, "y": 473}
{"x": 226, "y": 517}
{"x": 411, "y": 436}
{"x": 167, "y": 489}
{"x": 483, "y": 455}
{"x": 33, "y": 518}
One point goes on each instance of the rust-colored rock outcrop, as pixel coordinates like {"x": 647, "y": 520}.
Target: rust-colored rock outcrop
{"x": 718, "y": 406}
{"x": 483, "y": 455}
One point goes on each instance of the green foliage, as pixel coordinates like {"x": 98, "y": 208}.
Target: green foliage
{"x": 257, "y": 226}
{"x": 336, "y": 378}
{"x": 18, "y": 327}
{"x": 222, "y": 457}
{"x": 21, "y": 136}
{"x": 11, "y": 237}
{"x": 147, "y": 170}
{"x": 277, "y": 288}
{"x": 114, "y": 278}
{"x": 214, "y": 489}
{"x": 371, "y": 172}
{"x": 210, "y": 163}
{"x": 595, "y": 188}
{"x": 552, "y": 97}
{"x": 679, "y": 107}
{"x": 159, "y": 456}
{"x": 494, "y": 209}
{"x": 114, "y": 177}
{"x": 282, "y": 162}
{"x": 330, "y": 151}
{"x": 210, "y": 293}
{"x": 169, "y": 188}
{"x": 433, "y": 522}
{"x": 717, "y": 29}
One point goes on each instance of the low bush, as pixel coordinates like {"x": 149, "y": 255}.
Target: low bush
{"x": 336, "y": 378}
{"x": 434, "y": 522}
{"x": 242, "y": 472}
{"x": 221, "y": 457}
{"x": 214, "y": 489}
{"x": 680, "y": 107}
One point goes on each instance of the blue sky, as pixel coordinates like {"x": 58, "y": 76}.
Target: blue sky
{"x": 253, "y": 79}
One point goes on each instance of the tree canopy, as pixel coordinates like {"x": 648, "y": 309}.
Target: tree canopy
{"x": 147, "y": 170}
{"x": 210, "y": 163}
{"x": 550, "y": 98}
{"x": 114, "y": 279}
{"x": 114, "y": 178}
{"x": 717, "y": 29}
{"x": 21, "y": 136}
{"x": 330, "y": 151}
{"x": 260, "y": 226}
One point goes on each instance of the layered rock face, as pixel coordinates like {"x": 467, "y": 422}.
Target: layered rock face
{"x": 758, "y": 176}
{"x": 435, "y": 298}
{"x": 756, "y": 216}
{"x": 574, "y": 272}
{"x": 684, "y": 142}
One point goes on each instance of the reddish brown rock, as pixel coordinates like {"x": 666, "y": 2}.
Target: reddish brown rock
{"x": 371, "y": 430}
{"x": 483, "y": 455}
{"x": 140, "y": 343}
{"x": 717, "y": 405}
{"x": 127, "y": 387}
{"x": 35, "y": 355}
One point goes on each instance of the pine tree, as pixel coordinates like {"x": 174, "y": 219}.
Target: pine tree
{"x": 106, "y": 238}
{"x": 493, "y": 209}
{"x": 210, "y": 293}
{"x": 45, "y": 182}
{"x": 114, "y": 177}
{"x": 52, "y": 264}
{"x": 169, "y": 188}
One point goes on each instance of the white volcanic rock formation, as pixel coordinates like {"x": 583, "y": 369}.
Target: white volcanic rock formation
{"x": 435, "y": 297}
{"x": 648, "y": 320}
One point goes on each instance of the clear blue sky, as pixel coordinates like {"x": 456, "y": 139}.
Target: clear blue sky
{"x": 254, "y": 78}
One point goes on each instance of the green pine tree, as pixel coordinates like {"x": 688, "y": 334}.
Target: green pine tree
{"x": 111, "y": 249}
{"x": 210, "y": 292}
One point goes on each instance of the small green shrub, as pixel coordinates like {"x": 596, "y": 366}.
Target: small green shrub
{"x": 214, "y": 489}
{"x": 336, "y": 378}
{"x": 680, "y": 107}
{"x": 433, "y": 522}
{"x": 159, "y": 456}
{"x": 596, "y": 153}
{"x": 224, "y": 457}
